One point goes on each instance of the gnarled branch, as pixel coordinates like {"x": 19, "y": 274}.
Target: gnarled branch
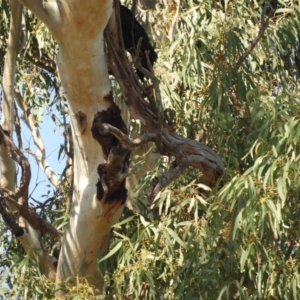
{"x": 190, "y": 152}
{"x": 19, "y": 199}
{"x": 28, "y": 213}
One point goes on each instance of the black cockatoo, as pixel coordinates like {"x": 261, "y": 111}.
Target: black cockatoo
{"x": 132, "y": 31}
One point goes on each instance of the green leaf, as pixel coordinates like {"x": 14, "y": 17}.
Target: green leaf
{"x": 112, "y": 251}
{"x": 176, "y": 237}
{"x": 237, "y": 223}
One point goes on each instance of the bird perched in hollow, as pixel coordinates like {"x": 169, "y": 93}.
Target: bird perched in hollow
{"x": 132, "y": 31}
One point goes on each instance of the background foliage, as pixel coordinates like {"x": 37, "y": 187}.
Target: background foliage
{"x": 242, "y": 241}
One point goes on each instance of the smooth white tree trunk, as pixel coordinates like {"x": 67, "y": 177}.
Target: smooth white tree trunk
{"x": 84, "y": 76}
{"x": 78, "y": 28}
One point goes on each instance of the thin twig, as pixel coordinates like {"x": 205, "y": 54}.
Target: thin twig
{"x": 159, "y": 105}
{"x": 174, "y": 21}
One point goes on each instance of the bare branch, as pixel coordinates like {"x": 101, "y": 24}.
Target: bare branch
{"x": 264, "y": 25}
{"x": 17, "y": 156}
{"x": 28, "y": 213}
{"x": 40, "y": 155}
{"x": 47, "y": 11}
{"x": 104, "y": 128}
{"x": 155, "y": 81}
{"x": 121, "y": 68}
{"x": 172, "y": 30}
{"x": 193, "y": 153}
{"x": 18, "y": 128}
{"x": 19, "y": 199}
{"x": 10, "y": 220}
{"x": 10, "y": 64}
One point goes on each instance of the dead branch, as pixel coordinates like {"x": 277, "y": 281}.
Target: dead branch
{"x": 159, "y": 105}
{"x": 130, "y": 144}
{"x": 191, "y": 152}
{"x": 117, "y": 57}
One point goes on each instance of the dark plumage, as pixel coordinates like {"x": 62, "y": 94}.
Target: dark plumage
{"x": 132, "y": 31}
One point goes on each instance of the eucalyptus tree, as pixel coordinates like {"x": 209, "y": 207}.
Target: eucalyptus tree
{"x": 226, "y": 77}
{"x": 100, "y": 143}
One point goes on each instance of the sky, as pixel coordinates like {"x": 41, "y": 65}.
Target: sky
{"x": 52, "y": 139}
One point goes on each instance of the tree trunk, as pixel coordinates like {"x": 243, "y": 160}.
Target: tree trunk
{"x": 78, "y": 29}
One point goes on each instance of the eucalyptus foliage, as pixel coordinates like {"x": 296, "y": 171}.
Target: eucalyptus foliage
{"x": 242, "y": 241}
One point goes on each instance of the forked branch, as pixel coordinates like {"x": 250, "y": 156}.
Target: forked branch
{"x": 19, "y": 199}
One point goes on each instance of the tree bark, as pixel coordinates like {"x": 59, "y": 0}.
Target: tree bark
{"x": 78, "y": 29}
